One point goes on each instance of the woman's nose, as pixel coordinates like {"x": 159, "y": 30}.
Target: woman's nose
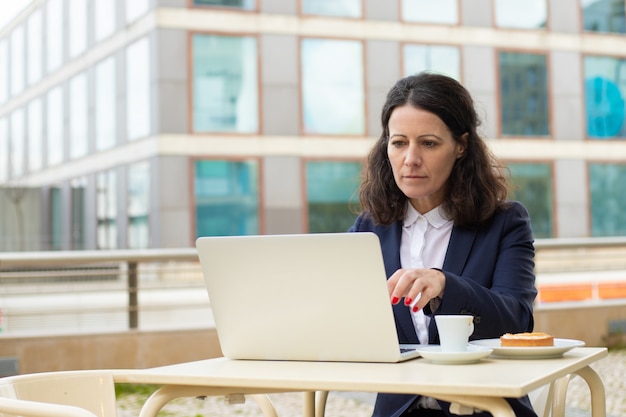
{"x": 412, "y": 156}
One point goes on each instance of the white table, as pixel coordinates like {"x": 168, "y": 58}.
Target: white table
{"x": 483, "y": 385}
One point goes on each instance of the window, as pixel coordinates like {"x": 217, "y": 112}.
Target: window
{"x": 56, "y": 129}
{"x": 34, "y": 47}
{"x": 138, "y": 209}
{"x": 603, "y": 16}
{"x": 225, "y": 84}
{"x": 333, "y": 96}
{"x": 106, "y": 210}
{"x": 77, "y": 26}
{"x": 56, "y": 219}
{"x": 521, "y": 14}
{"x": 105, "y": 108}
{"x": 4, "y": 71}
{"x": 138, "y": 118}
{"x": 135, "y": 9}
{"x": 54, "y": 34}
{"x": 428, "y": 11}
{"x": 227, "y": 197}
{"x": 78, "y": 210}
{"x": 35, "y": 135}
{"x": 524, "y": 94}
{"x": 332, "y": 195}
{"x": 17, "y": 60}
{"x": 442, "y": 59}
{"x": 4, "y": 150}
{"x": 18, "y": 137}
{"x": 79, "y": 113}
{"x": 532, "y": 185}
{"x": 239, "y": 4}
{"x": 605, "y": 89}
{"x": 104, "y": 21}
{"x": 341, "y": 8}
{"x": 606, "y": 182}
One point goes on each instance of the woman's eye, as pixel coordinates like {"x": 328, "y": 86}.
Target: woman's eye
{"x": 429, "y": 144}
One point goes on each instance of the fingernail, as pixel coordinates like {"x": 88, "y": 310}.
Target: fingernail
{"x": 394, "y": 300}
{"x": 408, "y": 301}
{"x": 415, "y": 308}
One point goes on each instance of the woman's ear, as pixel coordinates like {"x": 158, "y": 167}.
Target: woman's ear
{"x": 462, "y": 142}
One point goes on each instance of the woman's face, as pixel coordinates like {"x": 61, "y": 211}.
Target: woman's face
{"x": 422, "y": 152}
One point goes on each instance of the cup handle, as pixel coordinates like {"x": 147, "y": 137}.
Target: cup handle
{"x": 470, "y": 328}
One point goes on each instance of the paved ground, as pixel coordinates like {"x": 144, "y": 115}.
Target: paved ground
{"x": 612, "y": 370}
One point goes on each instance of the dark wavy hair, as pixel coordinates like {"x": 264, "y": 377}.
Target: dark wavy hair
{"x": 477, "y": 186}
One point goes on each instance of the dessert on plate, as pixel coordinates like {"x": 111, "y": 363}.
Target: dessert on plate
{"x": 526, "y": 339}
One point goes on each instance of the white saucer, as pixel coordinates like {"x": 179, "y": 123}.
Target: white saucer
{"x": 536, "y": 352}
{"x": 473, "y": 354}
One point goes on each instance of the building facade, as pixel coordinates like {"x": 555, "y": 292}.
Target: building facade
{"x": 148, "y": 123}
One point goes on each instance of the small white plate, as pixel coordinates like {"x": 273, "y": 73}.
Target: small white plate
{"x": 532, "y": 352}
{"x": 434, "y": 354}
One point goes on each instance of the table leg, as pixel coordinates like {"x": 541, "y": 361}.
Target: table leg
{"x": 497, "y": 406}
{"x": 596, "y": 388}
{"x": 309, "y": 404}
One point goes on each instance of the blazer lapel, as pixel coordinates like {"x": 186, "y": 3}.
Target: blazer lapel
{"x": 461, "y": 242}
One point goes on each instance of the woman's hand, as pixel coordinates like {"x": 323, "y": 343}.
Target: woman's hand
{"x": 417, "y": 286}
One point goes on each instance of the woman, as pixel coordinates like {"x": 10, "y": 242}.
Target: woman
{"x": 451, "y": 242}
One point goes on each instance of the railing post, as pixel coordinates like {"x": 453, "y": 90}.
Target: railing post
{"x": 133, "y": 308}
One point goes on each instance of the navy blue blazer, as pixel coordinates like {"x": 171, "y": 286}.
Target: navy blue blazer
{"x": 489, "y": 274}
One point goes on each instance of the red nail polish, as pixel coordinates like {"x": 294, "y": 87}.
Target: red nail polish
{"x": 408, "y": 301}
{"x": 394, "y": 300}
{"x": 415, "y": 308}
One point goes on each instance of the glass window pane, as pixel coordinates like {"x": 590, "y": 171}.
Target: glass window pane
{"x": 332, "y": 195}
{"x": 428, "y": 11}
{"x": 4, "y": 70}
{"x": 18, "y": 137}
{"x": 240, "y": 4}
{"x": 603, "y": 16}
{"x": 532, "y": 185}
{"x": 521, "y": 14}
{"x": 106, "y": 210}
{"x": 17, "y": 60}
{"x": 35, "y": 135}
{"x": 342, "y": 8}
{"x": 138, "y": 209}
{"x": 79, "y": 208}
{"x": 605, "y": 89}
{"x": 332, "y": 95}
{"x": 56, "y": 219}
{"x": 79, "y": 113}
{"x": 135, "y": 9}
{"x": 608, "y": 217}
{"x": 54, "y": 34}
{"x": 442, "y": 59}
{"x": 227, "y": 198}
{"x": 55, "y": 127}
{"x": 34, "y": 49}
{"x": 225, "y": 85}
{"x": 4, "y": 150}
{"x": 105, "y": 100}
{"x": 138, "y": 116}
{"x": 77, "y": 40}
{"x": 524, "y": 94}
{"x": 104, "y": 22}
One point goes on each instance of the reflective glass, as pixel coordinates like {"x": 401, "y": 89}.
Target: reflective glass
{"x": 79, "y": 112}
{"x": 429, "y": 11}
{"x": 35, "y": 135}
{"x": 227, "y": 197}
{"x": 34, "y": 47}
{"x": 106, "y": 210}
{"x": 342, "y": 8}
{"x": 77, "y": 26}
{"x": 605, "y": 90}
{"x": 604, "y": 16}
{"x": 105, "y": 108}
{"x": 56, "y": 219}
{"x": 104, "y": 21}
{"x": 18, "y": 138}
{"x": 4, "y": 150}
{"x": 332, "y": 195}
{"x": 79, "y": 208}
{"x": 17, "y": 60}
{"x": 442, "y": 59}
{"x": 138, "y": 78}
{"x": 138, "y": 209}
{"x": 225, "y": 84}
{"x": 532, "y": 185}
{"x": 54, "y": 34}
{"x": 332, "y": 95}
{"x": 521, "y": 14}
{"x": 4, "y": 70}
{"x": 606, "y": 182}
{"x": 55, "y": 127}
{"x": 524, "y": 94}
{"x": 135, "y": 9}
{"x": 240, "y": 4}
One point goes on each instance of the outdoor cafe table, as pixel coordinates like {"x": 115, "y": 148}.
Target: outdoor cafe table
{"x": 482, "y": 385}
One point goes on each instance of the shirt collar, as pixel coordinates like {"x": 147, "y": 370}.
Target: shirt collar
{"x": 437, "y": 217}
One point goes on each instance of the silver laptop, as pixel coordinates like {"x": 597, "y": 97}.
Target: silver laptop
{"x": 319, "y": 297}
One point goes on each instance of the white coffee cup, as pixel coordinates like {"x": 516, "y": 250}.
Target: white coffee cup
{"x": 454, "y": 331}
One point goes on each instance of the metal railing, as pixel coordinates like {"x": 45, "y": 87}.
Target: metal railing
{"x": 94, "y": 291}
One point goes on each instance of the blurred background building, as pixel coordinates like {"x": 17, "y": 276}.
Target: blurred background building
{"x": 147, "y": 123}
